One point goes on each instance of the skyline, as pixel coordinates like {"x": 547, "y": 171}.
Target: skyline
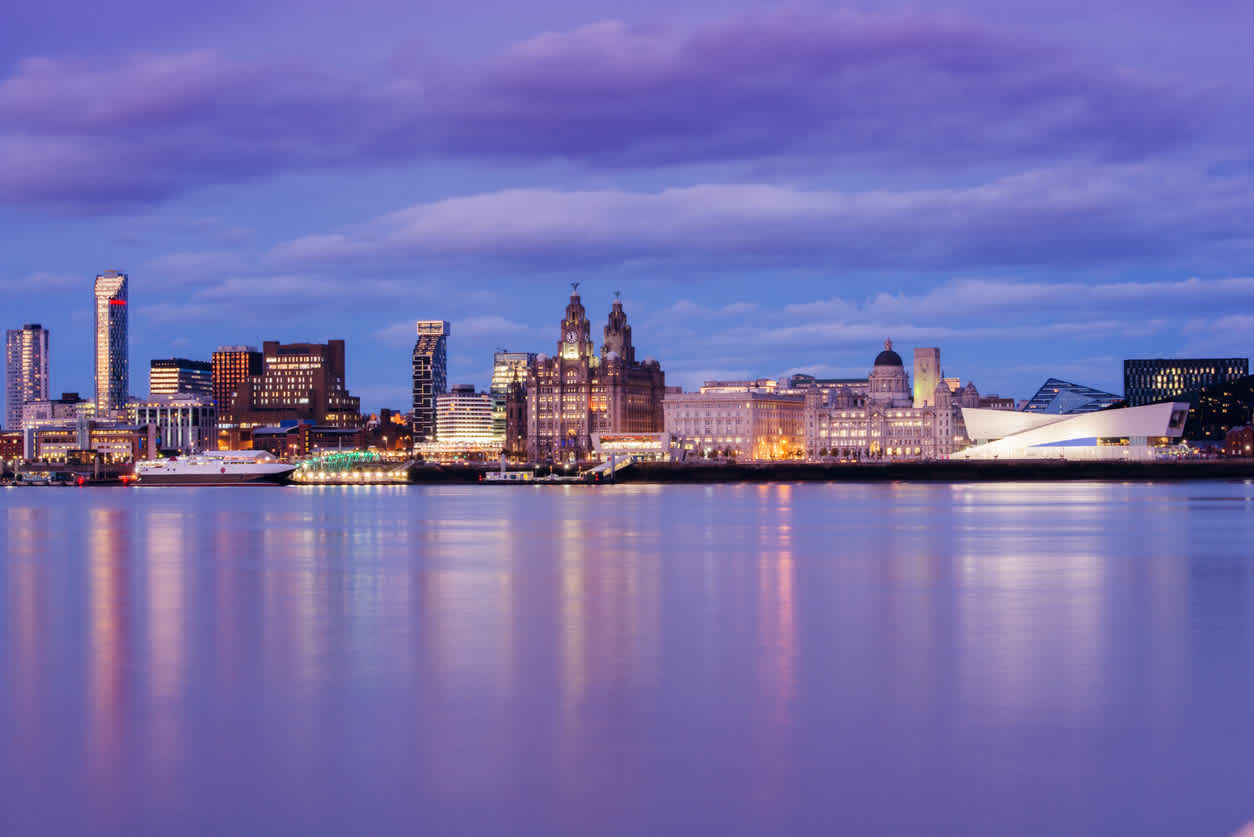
{"x": 1047, "y": 196}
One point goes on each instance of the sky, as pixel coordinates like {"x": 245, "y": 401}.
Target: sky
{"x": 1037, "y": 188}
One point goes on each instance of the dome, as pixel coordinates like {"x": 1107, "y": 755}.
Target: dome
{"x": 888, "y": 357}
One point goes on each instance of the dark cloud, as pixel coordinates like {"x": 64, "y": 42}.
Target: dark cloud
{"x": 902, "y": 91}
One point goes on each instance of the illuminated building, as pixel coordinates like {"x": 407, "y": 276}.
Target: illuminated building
{"x": 186, "y": 423}
{"x": 927, "y": 371}
{"x": 299, "y": 382}
{"x": 230, "y": 366}
{"x": 578, "y": 392}
{"x": 1239, "y": 441}
{"x": 508, "y": 368}
{"x": 1130, "y": 433}
{"x": 1058, "y": 397}
{"x": 430, "y": 375}
{"x": 465, "y": 415}
{"x": 1159, "y": 379}
{"x": 179, "y": 376}
{"x": 748, "y": 422}
{"x": 25, "y": 371}
{"x": 112, "y": 342}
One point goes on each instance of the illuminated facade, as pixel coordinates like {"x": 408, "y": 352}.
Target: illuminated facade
{"x": 578, "y": 392}
{"x": 508, "y": 368}
{"x": 464, "y": 415}
{"x": 749, "y": 422}
{"x": 300, "y": 382}
{"x": 430, "y": 375}
{"x": 1152, "y": 380}
{"x": 230, "y": 366}
{"x": 927, "y": 374}
{"x": 179, "y": 376}
{"x": 112, "y": 342}
{"x": 186, "y": 423}
{"x": 1130, "y": 433}
{"x": 25, "y": 371}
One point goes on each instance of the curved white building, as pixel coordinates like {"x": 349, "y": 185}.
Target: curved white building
{"x": 1122, "y": 434}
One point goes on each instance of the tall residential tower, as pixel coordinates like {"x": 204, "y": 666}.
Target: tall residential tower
{"x": 112, "y": 342}
{"x": 430, "y": 363}
{"x": 26, "y": 371}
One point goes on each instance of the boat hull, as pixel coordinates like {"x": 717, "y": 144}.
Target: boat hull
{"x": 273, "y": 478}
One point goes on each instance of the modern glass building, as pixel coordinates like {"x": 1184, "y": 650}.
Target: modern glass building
{"x": 112, "y": 342}
{"x": 25, "y": 371}
{"x": 430, "y": 366}
{"x": 230, "y": 367}
{"x": 179, "y": 376}
{"x": 1058, "y": 397}
{"x": 1148, "y": 381}
{"x": 507, "y": 368}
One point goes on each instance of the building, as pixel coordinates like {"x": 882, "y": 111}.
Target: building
{"x": 116, "y": 442}
{"x": 25, "y": 371}
{"x": 578, "y": 392}
{"x": 880, "y": 418}
{"x": 1159, "y": 379}
{"x": 1239, "y": 441}
{"x": 430, "y": 375}
{"x": 749, "y": 422}
{"x": 927, "y": 374}
{"x": 508, "y": 368}
{"x": 1060, "y": 398}
{"x": 299, "y": 382}
{"x": 186, "y": 423}
{"x": 230, "y": 366}
{"x": 112, "y": 333}
{"x": 1130, "y": 433}
{"x": 464, "y": 415}
{"x": 180, "y": 376}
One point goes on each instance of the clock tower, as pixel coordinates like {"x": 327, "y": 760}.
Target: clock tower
{"x": 575, "y": 340}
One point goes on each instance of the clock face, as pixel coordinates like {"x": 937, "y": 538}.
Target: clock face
{"x": 571, "y": 337}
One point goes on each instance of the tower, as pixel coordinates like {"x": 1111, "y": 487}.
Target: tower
{"x": 430, "y": 367}
{"x": 26, "y": 371}
{"x": 926, "y": 376}
{"x": 112, "y": 342}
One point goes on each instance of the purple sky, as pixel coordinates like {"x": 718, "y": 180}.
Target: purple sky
{"x": 1037, "y": 188}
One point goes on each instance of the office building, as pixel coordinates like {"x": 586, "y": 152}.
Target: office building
{"x": 508, "y": 368}
{"x": 430, "y": 375}
{"x": 185, "y": 423}
{"x": 579, "y": 392}
{"x": 299, "y": 382}
{"x": 465, "y": 415}
{"x": 112, "y": 334}
{"x": 230, "y": 366}
{"x": 25, "y": 371}
{"x": 180, "y": 376}
{"x": 1148, "y": 381}
{"x": 748, "y": 422}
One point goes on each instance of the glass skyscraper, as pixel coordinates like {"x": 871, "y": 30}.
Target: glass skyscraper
{"x": 113, "y": 376}
{"x": 25, "y": 371}
{"x": 507, "y": 368}
{"x": 430, "y": 363}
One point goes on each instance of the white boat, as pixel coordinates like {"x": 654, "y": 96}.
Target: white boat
{"x": 219, "y": 467}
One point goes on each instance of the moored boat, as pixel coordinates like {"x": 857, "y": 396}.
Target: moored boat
{"x": 225, "y": 467}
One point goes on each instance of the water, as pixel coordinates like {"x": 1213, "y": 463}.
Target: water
{"x": 1040, "y": 659}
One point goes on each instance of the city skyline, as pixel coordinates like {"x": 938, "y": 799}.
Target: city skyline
{"x": 1070, "y": 191}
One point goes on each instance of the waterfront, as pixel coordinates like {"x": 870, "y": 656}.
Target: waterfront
{"x": 1035, "y": 659}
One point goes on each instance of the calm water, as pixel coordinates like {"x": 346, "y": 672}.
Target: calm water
{"x": 1071, "y": 659}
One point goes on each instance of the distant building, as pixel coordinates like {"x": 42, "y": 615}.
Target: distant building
{"x": 186, "y": 423}
{"x": 25, "y": 371}
{"x": 1059, "y": 397}
{"x": 927, "y": 374}
{"x": 430, "y": 375}
{"x": 1148, "y": 381}
{"x": 1239, "y": 441}
{"x": 508, "y": 368}
{"x": 1131, "y": 433}
{"x": 112, "y": 342}
{"x": 465, "y": 415}
{"x": 578, "y": 392}
{"x": 749, "y": 422}
{"x": 180, "y": 376}
{"x": 299, "y": 382}
{"x": 229, "y": 367}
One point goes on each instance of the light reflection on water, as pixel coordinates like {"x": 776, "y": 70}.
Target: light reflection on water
{"x": 741, "y": 659}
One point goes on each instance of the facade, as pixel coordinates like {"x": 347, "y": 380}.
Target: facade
{"x": 112, "y": 334}
{"x": 180, "y": 376}
{"x": 1239, "y": 441}
{"x": 116, "y": 442}
{"x": 1131, "y": 433}
{"x": 1060, "y": 398}
{"x": 578, "y": 392}
{"x": 749, "y": 422}
{"x": 927, "y": 374}
{"x": 464, "y": 415}
{"x": 186, "y": 423}
{"x": 508, "y": 368}
{"x": 430, "y": 375}
{"x": 25, "y": 371}
{"x": 299, "y": 382}
{"x": 230, "y": 366}
{"x": 1149, "y": 381}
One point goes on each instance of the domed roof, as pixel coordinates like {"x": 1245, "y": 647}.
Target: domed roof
{"x": 888, "y": 357}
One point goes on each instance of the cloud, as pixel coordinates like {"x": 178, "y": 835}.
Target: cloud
{"x": 843, "y": 88}
{"x": 1068, "y": 216}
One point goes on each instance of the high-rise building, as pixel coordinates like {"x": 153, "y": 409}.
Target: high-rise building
{"x": 1148, "y": 381}
{"x": 430, "y": 365}
{"x": 25, "y": 371}
{"x": 112, "y": 342}
{"x": 299, "y": 382}
{"x": 927, "y": 374}
{"x": 508, "y": 368}
{"x": 179, "y": 376}
{"x": 577, "y": 392}
{"x": 230, "y": 367}
{"x": 464, "y": 415}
